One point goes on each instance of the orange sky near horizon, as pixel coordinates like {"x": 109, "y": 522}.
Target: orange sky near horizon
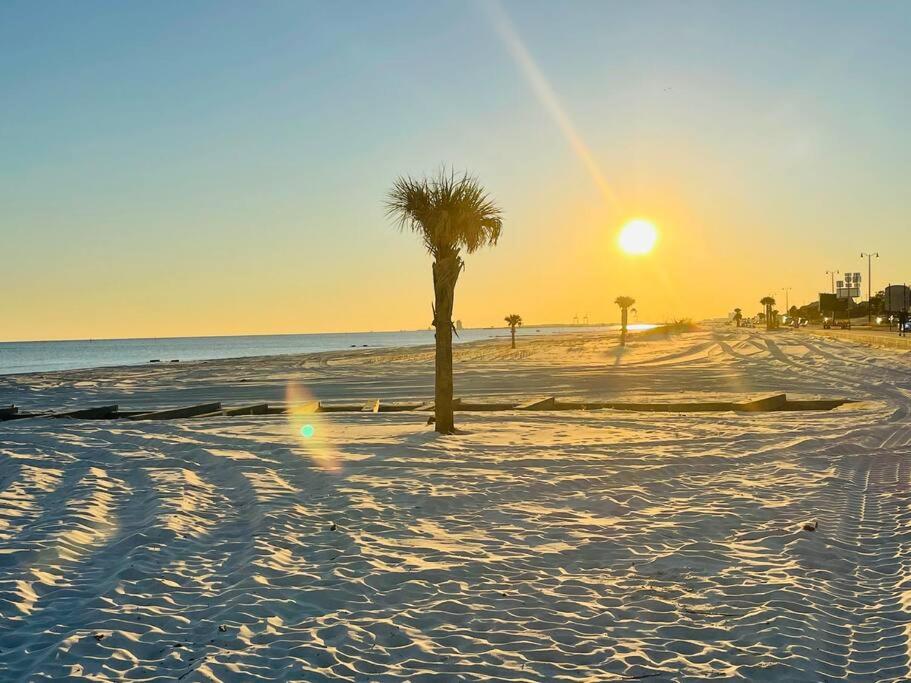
{"x": 696, "y": 270}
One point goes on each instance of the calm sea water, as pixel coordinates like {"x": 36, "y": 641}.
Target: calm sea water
{"x": 18, "y": 357}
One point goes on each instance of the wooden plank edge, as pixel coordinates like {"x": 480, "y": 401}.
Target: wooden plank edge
{"x": 94, "y": 413}
{"x": 255, "y": 409}
{"x": 177, "y": 413}
{"x": 767, "y": 403}
{"x": 546, "y": 403}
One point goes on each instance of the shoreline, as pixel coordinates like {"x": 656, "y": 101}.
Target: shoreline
{"x": 168, "y": 354}
{"x": 266, "y": 377}
{"x": 547, "y": 364}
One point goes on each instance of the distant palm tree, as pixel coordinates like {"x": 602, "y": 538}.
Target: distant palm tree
{"x": 738, "y": 316}
{"x": 768, "y": 302}
{"x": 450, "y": 212}
{"x": 624, "y": 302}
{"x": 513, "y": 321}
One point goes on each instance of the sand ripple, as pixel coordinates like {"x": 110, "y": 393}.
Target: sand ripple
{"x": 537, "y": 547}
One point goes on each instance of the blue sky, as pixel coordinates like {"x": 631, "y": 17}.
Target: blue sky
{"x": 241, "y": 151}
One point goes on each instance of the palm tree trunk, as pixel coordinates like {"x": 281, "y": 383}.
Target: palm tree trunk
{"x": 623, "y": 319}
{"x": 445, "y": 275}
{"x": 513, "y": 331}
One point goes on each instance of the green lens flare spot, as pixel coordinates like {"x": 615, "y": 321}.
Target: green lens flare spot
{"x": 307, "y": 431}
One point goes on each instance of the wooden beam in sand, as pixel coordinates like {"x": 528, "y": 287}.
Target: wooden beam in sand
{"x": 255, "y": 409}
{"x": 816, "y": 404}
{"x": 399, "y": 407}
{"x": 96, "y": 413}
{"x": 214, "y": 413}
{"x": 339, "y": 408}
{"x": 176, "y": 413}
{"x": 774, "y": 402}
{"x": 17, "y": 415}
{"x": 548, "y": 403}
{"x": 295, "y": 408}
{"x": 571, "y": 405}
{"x": 127, "y": 413}
{"x": 479, "y": 406}
{"x": 683, "y": 407}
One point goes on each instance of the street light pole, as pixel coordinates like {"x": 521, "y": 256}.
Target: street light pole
{"x": 869, "y": 257}
{"x": 833, "y": 273}
{"x": 787, "y": 307}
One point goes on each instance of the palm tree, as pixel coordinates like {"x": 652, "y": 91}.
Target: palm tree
{"x": 624, "y": 302}
{"x": 451, "y": 213}
{"x": 768, "y": 302}
{"x": 513, "y": 320}
{"x": 738, "y": 316}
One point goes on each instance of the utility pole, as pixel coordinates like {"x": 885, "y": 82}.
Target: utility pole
{"x": 787, "y": 307}
{"x": 869, "y": 257}
{"x": 833, "y": 273}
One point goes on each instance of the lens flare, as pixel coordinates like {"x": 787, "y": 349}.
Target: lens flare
{"x": 309, "y": 428}
{"x": 547, "y": 96}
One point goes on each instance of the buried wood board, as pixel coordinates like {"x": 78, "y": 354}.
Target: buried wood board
{"x": 546, "y": 403}
{"x": 774, "y": 402}
{"x": 481, "y": 406}
{"x": 690, "y": 407}
{"x": 95, "y": 413}
{"x": 175, "y": 413}
{"x": 339, "y": 408}
{"x": 399, "y": 407}
{"x": 255, "y": 409}
{"x": 295, "y": 408}
{"x": 816, "y": 404}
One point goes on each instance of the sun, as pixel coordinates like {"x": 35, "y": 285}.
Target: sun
{"x": 638, "y": 237}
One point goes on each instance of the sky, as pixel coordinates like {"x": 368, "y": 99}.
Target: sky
{"x": 204, "y": 168}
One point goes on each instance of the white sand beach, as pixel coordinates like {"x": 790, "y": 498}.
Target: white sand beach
{"x": 537, "y": 546}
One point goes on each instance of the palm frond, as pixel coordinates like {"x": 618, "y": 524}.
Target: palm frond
{"x": 450, "y": 211}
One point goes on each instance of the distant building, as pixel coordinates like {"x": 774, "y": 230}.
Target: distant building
{"x": 458, "y": 325}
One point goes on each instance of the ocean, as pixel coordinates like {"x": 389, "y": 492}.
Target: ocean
{"x": 43, "y": 356}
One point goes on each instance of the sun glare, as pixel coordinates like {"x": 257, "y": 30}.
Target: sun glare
{"x": 638, "y": 237}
